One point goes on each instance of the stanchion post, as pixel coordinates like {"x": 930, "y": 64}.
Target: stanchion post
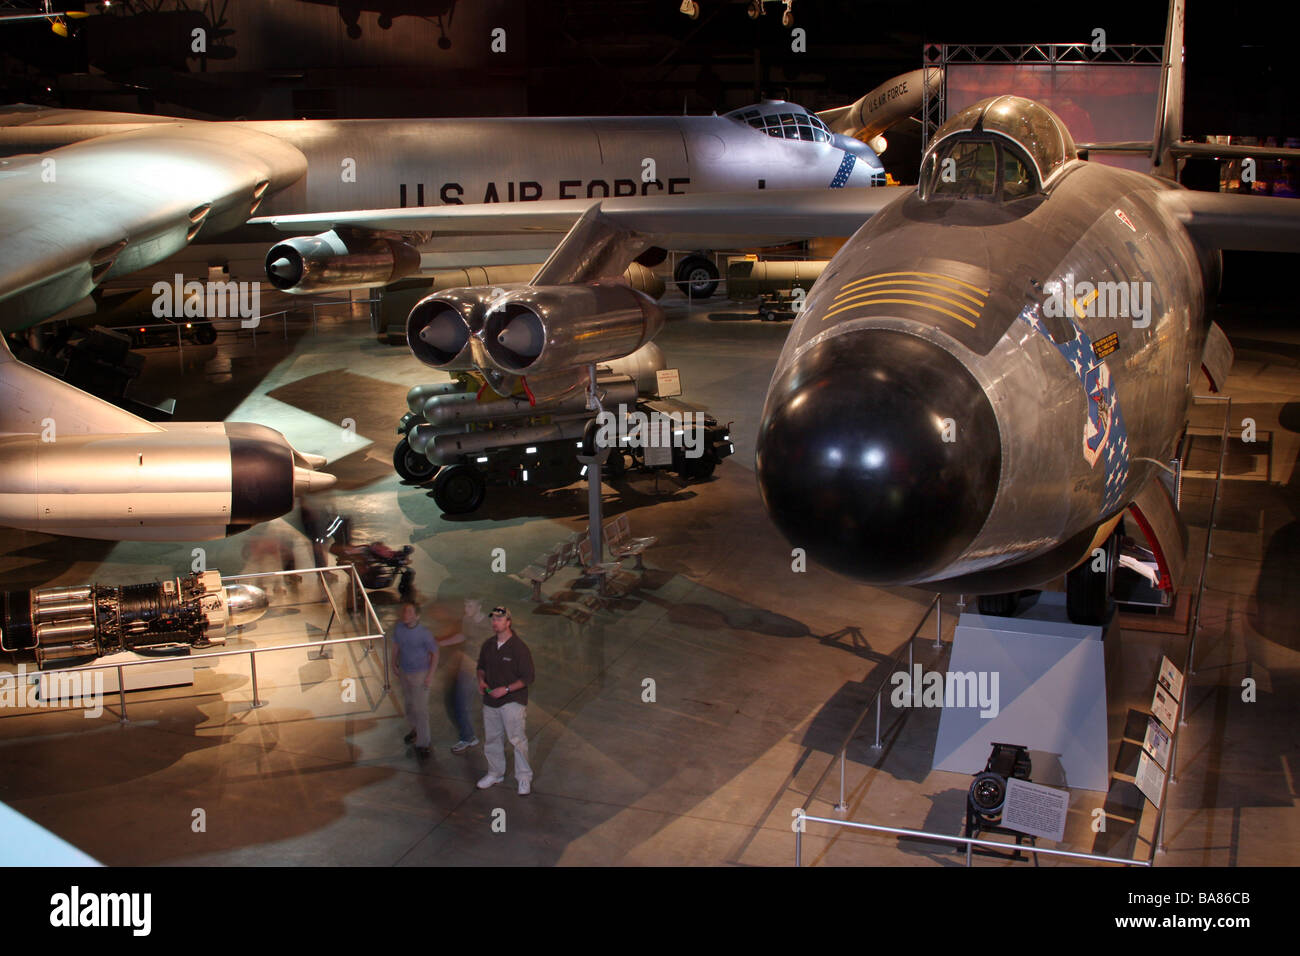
{"x": 252, "y": 660}
{"x": 121, "y": 692}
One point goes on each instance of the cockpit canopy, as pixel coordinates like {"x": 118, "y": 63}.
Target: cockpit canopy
{"x": 1000, "y": 149}
{"x": 783, "y": 120}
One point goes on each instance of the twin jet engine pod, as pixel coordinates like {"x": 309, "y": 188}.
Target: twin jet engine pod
{"x": 330, "y": 262}
{"x": 61, "y": 624}
{"x": 440, "y": 327}
{"x": 547, "y": 328}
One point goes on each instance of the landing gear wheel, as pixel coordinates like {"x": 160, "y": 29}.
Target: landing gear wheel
{"x": 696, "y": 277}
{"x": 1087, "y": 592}
{"x": 411, "y": 465}
{"x": 385, "y": 22}
{"x": 615, "y": 465}
{"x": 698, "y": 469}
{"x": 204, "y": 333}
{"x": 459, "y": 489}
{"x": 998, "y": 605}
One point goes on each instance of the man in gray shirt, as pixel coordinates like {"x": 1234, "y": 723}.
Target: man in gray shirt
{"x": 415, "y": 661}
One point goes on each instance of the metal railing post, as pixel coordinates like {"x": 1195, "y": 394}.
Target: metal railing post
{"x": 252, "y": 660}
{"x": 121, "y": 692}
{"x": 876, "y": 745}
{"x": 842, "y": 805}
{"x": 798, "y": 843}
{"x": 938, "y": 622}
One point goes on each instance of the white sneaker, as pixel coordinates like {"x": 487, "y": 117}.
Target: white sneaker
{"x": 460, "y": 746}
{"x": 525, "y": 787}
{"x": 489, "y": 781}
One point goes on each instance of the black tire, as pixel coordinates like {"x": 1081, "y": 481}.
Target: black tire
{"x": 698, "y": 469}
{"x": 998, "y": 605}
{"x": 1087, "y": 592}
{"x": 385, "y": 21}
{"x": 696, "y": 277}
{"x": 459, "y": 489}
{"x": 615, "y": 465}
{"x": 769, "y": 316}
{"x": 411, "y": 465}
{"x": 205, "y": 333}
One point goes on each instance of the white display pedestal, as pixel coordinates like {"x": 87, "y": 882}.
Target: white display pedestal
{"x": 168, "y": 672}
{"x": 1051, "y": 692}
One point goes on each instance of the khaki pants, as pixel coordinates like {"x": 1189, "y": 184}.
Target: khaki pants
{"x": 416, "y": 696}
{"x": 502, "y": 723}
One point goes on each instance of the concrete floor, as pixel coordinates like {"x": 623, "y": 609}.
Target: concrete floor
{"x": 756, "y": 679}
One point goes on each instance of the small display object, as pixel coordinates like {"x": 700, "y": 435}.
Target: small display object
{"x": 1156, "y": 743}
{"x": 1170, "y": 678}
{"x": 1165, "y": 708}
{"x": 1150, "y": 779}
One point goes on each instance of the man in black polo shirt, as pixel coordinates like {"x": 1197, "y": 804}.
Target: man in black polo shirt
{"x": 505, "y": 669}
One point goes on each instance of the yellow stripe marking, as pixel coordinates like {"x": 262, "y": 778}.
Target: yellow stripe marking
{"x": 924, "y": 305}
{"x": 932, "y": 275}
{"x": 1080, "y": 308}
{"x": 930, "y": 295}
{"x": 932, "y": 285}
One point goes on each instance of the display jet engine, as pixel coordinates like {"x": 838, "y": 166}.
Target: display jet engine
{"x": 72, "y": 625}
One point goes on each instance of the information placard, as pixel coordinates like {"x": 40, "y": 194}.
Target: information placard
{"x": 1150, "y": 779}
{"x": 1170, "y": 678}
{"x": 1034, "y": 809}
{"x": 1156, "y": 742}
{"x": 658, "y": 455}
{"x": 1165, "y": 708}
{"x": 668, "y": 382}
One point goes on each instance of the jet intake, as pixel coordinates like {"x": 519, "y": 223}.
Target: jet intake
{"x": 328, "y": 262}
{"x": 546, "y": 328}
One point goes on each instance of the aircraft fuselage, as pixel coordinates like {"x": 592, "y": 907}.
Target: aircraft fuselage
{"x": 975, "y": 388}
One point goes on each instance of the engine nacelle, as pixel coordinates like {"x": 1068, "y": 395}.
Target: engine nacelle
{"x": 440, "y": 327}
{"x": 328, "y": 263}
{"x": 193, "y": 481}
{"x": 546, "y": 328}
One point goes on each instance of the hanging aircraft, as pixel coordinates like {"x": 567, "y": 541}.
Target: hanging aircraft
{"x": 987, "y": 377}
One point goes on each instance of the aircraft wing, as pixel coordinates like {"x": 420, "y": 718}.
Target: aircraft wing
{"x": 718, "y": 220}
{"x": 1236, "y": 221}
{"x": 82, "y": 213}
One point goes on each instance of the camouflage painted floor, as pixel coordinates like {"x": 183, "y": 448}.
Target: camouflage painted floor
{"x": 755, "y": 678}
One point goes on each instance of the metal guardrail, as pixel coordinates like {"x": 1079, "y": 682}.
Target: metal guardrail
{"x": 1189, "y": 662}
{"x": 934, "y": 605}
{"x": 360, "y": 599}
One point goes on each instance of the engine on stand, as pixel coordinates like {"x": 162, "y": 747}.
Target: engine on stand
{"x": 63, "y": 625}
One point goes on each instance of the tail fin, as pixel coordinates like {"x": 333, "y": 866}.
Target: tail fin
{"x": 1169, "y": 108}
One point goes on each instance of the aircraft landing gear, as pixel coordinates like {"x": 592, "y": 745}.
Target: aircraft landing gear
{"x": 696, "y": 277}
{"x": 1087, "y": 590}
{"x": 459, "y": 489}
{"x": 998, "y": 605}
{"x": 411, "y": 465}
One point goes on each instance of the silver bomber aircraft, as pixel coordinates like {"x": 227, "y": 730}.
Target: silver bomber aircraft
{"x": 92, "y": 197}
{"x": 986, "y": 378}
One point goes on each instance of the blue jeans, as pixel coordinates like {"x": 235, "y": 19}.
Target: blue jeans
{"x": 462, "y": 690}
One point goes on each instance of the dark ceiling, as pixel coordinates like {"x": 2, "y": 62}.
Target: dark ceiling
{"x": 279, "y": 58}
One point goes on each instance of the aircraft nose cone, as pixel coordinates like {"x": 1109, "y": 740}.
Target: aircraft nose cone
{"x": 879, "y": 454}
